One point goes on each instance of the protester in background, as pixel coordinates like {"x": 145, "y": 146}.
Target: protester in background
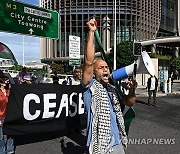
{"x": 55, "y": 78}
{"x": 6, "y": 143}
{"x": 34, "y": 79}
{"x": 172, "y": 78}
{"x": 64, "y": 82}
{"x": 76, "y": 79}
{"x": 73, "y": 123}
{"x": 1, "y": 73}
{"x": 152, "y": 85}
{"x": 105, "y": 125}
{"x": 24, "y": 76}
{"x": 7, "y": 75}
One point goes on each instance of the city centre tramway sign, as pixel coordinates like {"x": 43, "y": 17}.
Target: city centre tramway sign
{"x": 26, "y": 19}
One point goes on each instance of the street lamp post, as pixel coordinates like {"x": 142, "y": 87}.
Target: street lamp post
{"x": 114, "y": 35}
{"x": 23, "y": 52}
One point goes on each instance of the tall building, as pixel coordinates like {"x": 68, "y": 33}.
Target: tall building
{"x": 137, "y": 20}
{"x": 169, "y": 25}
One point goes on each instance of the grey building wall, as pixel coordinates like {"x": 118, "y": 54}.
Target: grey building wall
{"x": 169, "y": 26}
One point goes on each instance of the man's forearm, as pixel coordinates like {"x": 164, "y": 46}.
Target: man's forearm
{"x": 89, "y": 55}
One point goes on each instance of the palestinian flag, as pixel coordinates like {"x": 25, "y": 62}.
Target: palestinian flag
{"x": 129, "y": 115}
{"x": 6, "y": 53}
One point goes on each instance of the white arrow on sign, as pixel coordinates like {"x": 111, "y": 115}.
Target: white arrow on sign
{"x": 31, "y": 31}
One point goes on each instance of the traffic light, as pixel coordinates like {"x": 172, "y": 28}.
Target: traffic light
{"x": 137, "y": 49}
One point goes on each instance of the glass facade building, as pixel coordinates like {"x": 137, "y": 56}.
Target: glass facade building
{"x": 135, "y": 20}
{"x": 169, "y": 18}
{"x": 169, "y": 26}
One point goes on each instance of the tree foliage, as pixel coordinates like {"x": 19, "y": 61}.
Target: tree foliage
{"x": 158, "y": 56}
{"x": 39, "y": 72}
{"x": 124, "y": 54}
{"x": 59, "y": 68}
{"x": 17, "y": 67}
{"x": 175, "y": 64}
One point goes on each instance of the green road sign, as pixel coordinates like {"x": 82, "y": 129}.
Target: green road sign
{"x": 26, "y": 19}
{"x": 73, "y": 62}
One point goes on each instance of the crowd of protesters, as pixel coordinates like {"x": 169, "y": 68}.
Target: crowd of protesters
{"x": 24, "y": 77}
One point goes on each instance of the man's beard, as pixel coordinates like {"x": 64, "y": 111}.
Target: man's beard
{"x": 100, "y": 80}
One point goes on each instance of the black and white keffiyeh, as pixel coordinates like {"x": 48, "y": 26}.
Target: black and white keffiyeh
{"x": 101, "y": 123}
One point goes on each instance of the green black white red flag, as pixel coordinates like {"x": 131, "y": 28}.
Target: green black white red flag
{"x": 6, "y": 53}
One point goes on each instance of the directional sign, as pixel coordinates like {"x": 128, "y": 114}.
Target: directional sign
{"x": 74, "y": 50}
{"x": 26, "y": 19}
{"x": 73, "y": 62}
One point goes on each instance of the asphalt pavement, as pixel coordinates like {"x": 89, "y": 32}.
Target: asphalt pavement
{"x": 155, "y": 130}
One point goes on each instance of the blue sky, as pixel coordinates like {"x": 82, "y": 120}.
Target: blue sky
{"x": 15, "y": 43}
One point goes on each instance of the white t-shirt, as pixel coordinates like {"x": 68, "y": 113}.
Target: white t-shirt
{"x": 153, "y": 81}
{"x": 73, "y": 81}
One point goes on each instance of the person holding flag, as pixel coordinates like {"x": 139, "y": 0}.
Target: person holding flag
{"x": 105, "y": 126}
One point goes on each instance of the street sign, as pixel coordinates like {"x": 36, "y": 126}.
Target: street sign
{"x": 74, "y": 50}
{"x": 73, "y": 62}
{"x": 26, "y": 19}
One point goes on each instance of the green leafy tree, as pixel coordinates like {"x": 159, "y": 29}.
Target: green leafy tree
{"x": 40, "y": 72}
{"x": 175, "y": 64}
{"x": 158, "y": 56}
{"x": 124, "y": 54}
{"x": 17, "y": 68}
{"x": 59, "y": 68}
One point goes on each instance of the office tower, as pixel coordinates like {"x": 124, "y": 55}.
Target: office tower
{"x": 139, "y": 20}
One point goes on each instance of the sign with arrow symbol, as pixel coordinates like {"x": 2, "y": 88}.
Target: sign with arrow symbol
{"x": 31, "y": 31}
{"x": 26, "y": 19}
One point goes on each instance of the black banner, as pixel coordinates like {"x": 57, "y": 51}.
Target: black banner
{"x": 40, "y": 108}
